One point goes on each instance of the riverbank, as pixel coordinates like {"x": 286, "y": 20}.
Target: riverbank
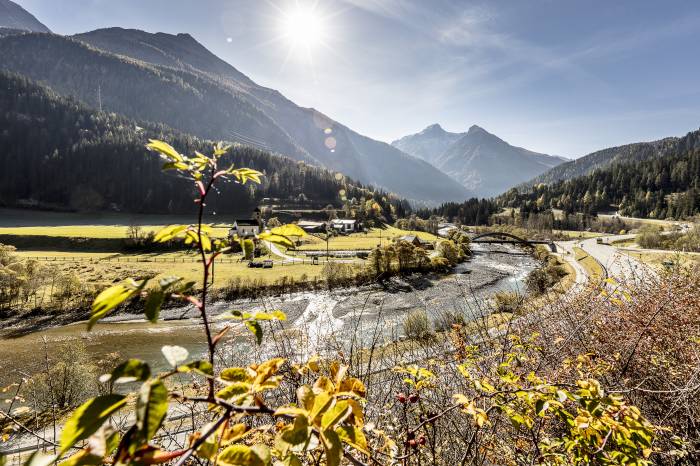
{"x": 340, "y": 316}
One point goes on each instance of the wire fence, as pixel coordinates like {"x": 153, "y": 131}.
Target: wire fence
{"x": 170, "y": 260}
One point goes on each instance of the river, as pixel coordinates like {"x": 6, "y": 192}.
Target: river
{"x": 323, "y": 318}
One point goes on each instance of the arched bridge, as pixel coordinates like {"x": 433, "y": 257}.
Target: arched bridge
{"x": 499, "y": 237}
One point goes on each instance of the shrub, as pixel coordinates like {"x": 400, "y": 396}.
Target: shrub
{"x": 416, "y": 325}
{"x": 649, "y": 237}
{"x": 448, "y": 319}
{"x": 507, "y": 301}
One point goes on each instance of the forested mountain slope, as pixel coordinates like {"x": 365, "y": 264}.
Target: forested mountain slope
{"x": 58, "y": 153}
{"x": 657, "y": 186}
{"x": 606, "y": 157}
{"x": 175, "y": 80}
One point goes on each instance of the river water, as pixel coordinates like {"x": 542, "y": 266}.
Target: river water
{"x": 317, "y": 320}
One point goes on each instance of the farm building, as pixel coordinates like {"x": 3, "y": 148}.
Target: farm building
{"x": 344, "y": 225}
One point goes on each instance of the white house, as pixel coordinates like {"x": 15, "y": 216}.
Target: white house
{"x": 344, "y": 225}
{"x": 245, "y": 228}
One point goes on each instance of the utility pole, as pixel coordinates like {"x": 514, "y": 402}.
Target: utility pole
{"x": 99, "y": 96}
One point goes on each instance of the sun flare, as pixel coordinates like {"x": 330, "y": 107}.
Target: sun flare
{"x": 303, "y": 26}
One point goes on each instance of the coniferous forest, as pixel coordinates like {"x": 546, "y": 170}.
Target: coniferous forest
{"x": 664, "y": 187}
{"x": 60, "y": 154}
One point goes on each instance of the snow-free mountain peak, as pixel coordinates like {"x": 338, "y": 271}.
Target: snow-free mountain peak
{"x": 481, "y": 161}
{"x": 14, "y": 17}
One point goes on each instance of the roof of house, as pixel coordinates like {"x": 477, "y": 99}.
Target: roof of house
{"x": 344, "y": 221}
{"x": 309, "y": 224}
{"x": 246, "y": 222}
{"x": 411, "y": 239}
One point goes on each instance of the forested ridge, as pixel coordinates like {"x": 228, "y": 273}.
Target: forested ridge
{"x": 667, "y": 186}
{"x": 195, "y": 92}
{"x": 58, "y": 153}
{"x": 604, "y": 158}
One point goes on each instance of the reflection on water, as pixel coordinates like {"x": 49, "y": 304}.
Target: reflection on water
{"x": 341, "y": 315}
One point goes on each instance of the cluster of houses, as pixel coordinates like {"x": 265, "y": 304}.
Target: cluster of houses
{"x": 250, "y": 227}
{"x": 339, "y": 225}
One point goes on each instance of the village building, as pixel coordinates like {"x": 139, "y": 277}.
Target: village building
{"x": 247, "y": 227}
{"x": 311, "y": 226}
{"x": 344, "y": 225}
{"x": 416, "y": 241}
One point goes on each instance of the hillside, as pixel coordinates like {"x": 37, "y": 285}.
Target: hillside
{"x": 479, "y": 160}
{"x": 175, "y": 80}
{"x": 60, "y": 154}
{"x": 606, "y": 157}
{"x": 14, "y": 17}
{"x": 656, "y": 186}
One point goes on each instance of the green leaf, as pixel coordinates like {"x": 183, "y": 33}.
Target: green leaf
{"x": 353, "y": 437}
{"x": 167, "y": 282}
{"x": 175, "y": 166}
{"x": 202, "y": 367}
{"x": 151, "y": 308}
{"x": 241, "y": 455}
{"x": 333, "y": 447}
{"x": 130, "y": 371}
{"x": 88, "y": 418}
{"x": 278, "y": 315}
{"x": 245, "y": 174}
{"x": 175, "y": 354}
{"x": 151, "y": 408}
{"x": 113, "y": 297}
{"x": 235, "y": 389}
{"x": 234, "y": 374}
{"x": 296, "y": 434}
{"x": 165, "y": 149}
{"x": 336, "y": 414}
{"x": 256, "y": 329}
{"x": 541, "y": 406}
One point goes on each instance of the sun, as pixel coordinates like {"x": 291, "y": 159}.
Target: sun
{"x": 303, "y": 25}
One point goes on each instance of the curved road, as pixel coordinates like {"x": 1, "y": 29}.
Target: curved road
{"x": 620, "y": 266}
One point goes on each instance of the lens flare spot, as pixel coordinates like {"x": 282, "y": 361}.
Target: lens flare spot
{"x": 331, "y": 142}
{"x": 328, "y": 130}
{"x": 339, "y": 176}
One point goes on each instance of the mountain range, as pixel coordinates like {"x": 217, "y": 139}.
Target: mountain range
{"x": 175, "y": 80}
{"x": 479, "y": 160}
{"x": 14, "y": 17}
{"x": 59, "y": 154}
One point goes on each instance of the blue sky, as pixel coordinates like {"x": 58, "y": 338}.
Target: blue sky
{"x": 563, "y": 77}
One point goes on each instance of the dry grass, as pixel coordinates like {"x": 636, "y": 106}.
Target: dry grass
{"x": 593, "y": 269}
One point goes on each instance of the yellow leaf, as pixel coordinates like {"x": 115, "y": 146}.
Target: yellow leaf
{"x": 165, "y": 149}
{"x": 288, "y": 230}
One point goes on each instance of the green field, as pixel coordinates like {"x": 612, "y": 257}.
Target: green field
{"x": 90, "y": 247}
{"x": 90, "y": 231}
{"x": 369, "y": 240}
{"x": 108, "y": 267}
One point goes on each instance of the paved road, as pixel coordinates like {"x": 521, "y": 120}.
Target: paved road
{"x": 618, "y": 264}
